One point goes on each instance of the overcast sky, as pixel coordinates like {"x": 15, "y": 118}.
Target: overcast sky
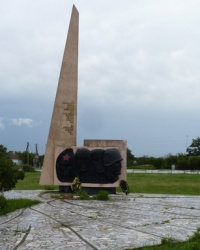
{"x": 139, "y": 72}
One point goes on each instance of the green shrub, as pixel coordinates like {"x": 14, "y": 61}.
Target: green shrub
{"x": 9, "y": 174}
{"x": 3, "y": 202}
{"x": 145, "y": 167}
{"x": 82, "y": 194}
{"x": 27, "y": 168}
{"x": 102, "y": 195}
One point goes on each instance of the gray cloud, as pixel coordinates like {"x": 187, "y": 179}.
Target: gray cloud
{"x": 2, "y": 126}
{"x": 138, "y": 70}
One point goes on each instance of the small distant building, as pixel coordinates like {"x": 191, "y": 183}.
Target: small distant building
{"x": 15, "y": 158}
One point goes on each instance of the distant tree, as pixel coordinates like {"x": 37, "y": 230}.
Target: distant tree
{"x": 171, "y": 159}
{"x": 142, "y": 160}
{"x": 194, "y": 148}
{"x": 3, "y": 151}
{"x": 9, "y": 174}
{"x": 158, "y": 163}
{"x": 130, "y": 158}
{"x": 41, "y": 159}
{"x": 194, "y": 163}
{"x": 182, "y": 162}
{"x": 26, "y": 157}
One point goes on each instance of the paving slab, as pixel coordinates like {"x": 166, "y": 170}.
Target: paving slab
{"x": 121, "y": 223}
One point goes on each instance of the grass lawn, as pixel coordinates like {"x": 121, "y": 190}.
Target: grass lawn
{"x": 183, "y": 184}
{"x": 31, "y": 182}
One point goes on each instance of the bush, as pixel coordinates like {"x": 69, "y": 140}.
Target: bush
{"x": 102, "y": 195}
{"x": 82, "y": 194}
{"x": 27, "y": 168}
{"x": 3, "y": 202}
{"x": 9, "y": 175}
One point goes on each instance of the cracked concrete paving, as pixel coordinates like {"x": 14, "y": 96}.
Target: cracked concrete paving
{"x": 122, "y": 222}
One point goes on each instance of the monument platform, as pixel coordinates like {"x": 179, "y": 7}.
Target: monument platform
{"x": 123, "y": 222}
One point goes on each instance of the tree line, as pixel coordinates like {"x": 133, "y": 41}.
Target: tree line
{"x": 188, "y": 161}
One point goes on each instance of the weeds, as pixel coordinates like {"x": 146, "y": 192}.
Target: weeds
{"x": 166, "y": 221}
{"x": 82, "y": 195}
{"x": 20, "y": 231}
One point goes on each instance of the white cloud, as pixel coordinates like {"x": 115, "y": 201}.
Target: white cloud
{"x": 23, "y": 121}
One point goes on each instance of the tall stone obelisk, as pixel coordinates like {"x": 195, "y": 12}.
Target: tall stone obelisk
{"x": 63, "y": 126}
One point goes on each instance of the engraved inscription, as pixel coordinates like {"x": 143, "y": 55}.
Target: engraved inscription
{"x": 68, "y": 119}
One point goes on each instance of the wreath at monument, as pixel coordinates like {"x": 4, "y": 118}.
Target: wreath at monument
{"x": 124, "y": 187}
{"x": 76, "y": 185}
